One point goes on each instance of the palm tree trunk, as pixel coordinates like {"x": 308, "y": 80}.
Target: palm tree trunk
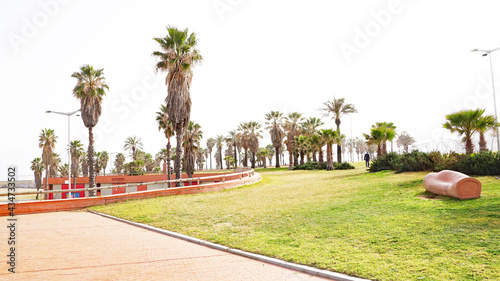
{"x": 220, "y": 158}
{"x": 91, "y": 163}
{"x": 482, "y": 142}
{"x": 339, "y": 148}
{"x": 314, "y": 156}
{"x": 168, "y": 164}
{"x": 235, "y": 156}
{"x": 178, "y": 157}
{"x": 379, "y": 150}
{"x": 277, "y": 157}
{"x": 295, "y": 158}
{"x": 245, "y": 163}
{"x": 384, "y": 148}
{"x": 210, "y": 160}
{"x": 302, "y": 157}
{"x": 329, "y": 157}
{"x": 469, "y": 147}
{"x": 290, "y": 159}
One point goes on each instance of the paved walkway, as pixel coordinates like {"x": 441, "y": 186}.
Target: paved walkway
{"x": 85, "y": 246}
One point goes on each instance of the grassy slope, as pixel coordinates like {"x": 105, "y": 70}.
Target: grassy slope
{"x": 369, "y": 225}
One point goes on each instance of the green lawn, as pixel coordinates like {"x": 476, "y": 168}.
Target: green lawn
{"x": 374, "y": 226}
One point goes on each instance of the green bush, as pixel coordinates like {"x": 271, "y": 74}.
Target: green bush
{"x": 342, "y": 166}
{"x": 484, "y": 163}
{"x": 311, "y": 166}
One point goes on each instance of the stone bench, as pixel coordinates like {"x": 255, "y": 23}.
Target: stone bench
{"x": 454, "y": 184}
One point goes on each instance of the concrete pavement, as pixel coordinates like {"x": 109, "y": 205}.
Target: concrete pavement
{"x": 84, "y": 246}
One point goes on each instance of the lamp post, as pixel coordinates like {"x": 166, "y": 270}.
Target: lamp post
{"x": 486, "y": 52}
{"x": 69, "y": 140}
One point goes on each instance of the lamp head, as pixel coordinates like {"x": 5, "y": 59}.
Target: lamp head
{"x": 48, "y": 111}
{"x": 484, "y": 55}
{"x": 474, "y": 50}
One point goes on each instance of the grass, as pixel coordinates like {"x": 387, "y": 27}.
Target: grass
{"x": 374, "y": 226}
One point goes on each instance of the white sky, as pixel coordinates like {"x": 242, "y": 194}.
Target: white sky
{"x": 410, "y": 64}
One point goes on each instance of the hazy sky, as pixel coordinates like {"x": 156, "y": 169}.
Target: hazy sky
{"x": 404, "y": 61}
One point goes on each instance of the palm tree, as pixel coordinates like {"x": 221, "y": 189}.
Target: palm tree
{"x": 330, "y": 136}
{"x": 149, "y": 162}
{"x": 177, "y": 57}
{"x": 47, "y": 141}
{"x": 274, "y": 124}
{"x": 63, "y": 169}
{"x": 484, "y": 123}
{"x": 464, "y": 123}
{"x": 85, "y": 166}
{"x": 316, "y": 141}
{"x": 210, "y": 146}
{"x": 337, "y": 108}
{"x": 133, "y": 144}
{"x": 405, "y": 140}
{"x": 192, "y": 139}
{"x": 166, "y": 125}
{"x": 37, "y": 167}
{"x": 76, "y": 151}
{"x": 104, "y": 161}
{"x": 254, "y": 133}
{"x": 119, "y": 162}
{"x": 98, "y": 162}
{"x": 270, "y": 152}
{"x": 389, "y": 132}
{"x": 292, "y": 128}
{"x": 219, "y": 143}
{"x": 56, "y": 161}
{"x": 301, "y": 143}
{"x": 90, "y": 90}
{"x": 232, "y": 141}
{"x": 244, "y": 136}
{"x": 376, "y": 137}
{"x": 310, "y": 127}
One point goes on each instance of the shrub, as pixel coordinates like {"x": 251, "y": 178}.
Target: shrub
{"x": 342, "y": 166}
{"x": 484, "y": 163}
{"x": 384, "y": 162}
{"x": 311, "y": 166}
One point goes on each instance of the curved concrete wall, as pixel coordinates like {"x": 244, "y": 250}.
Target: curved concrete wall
{"x": 78, "y": 203}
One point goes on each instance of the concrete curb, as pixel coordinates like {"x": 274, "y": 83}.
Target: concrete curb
{"x": 297, "y": 267}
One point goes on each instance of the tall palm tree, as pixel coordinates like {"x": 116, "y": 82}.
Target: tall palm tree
{"x": 119, "y": 162}
{"x": 219, "y": 143}
{"x": 37, "y": 167}
{"x": 192, "y": 139}
{"x": 90, "y": 90}
{"x": 337, "y": 108}
{"x": 210, "y": 146}
{"x": 47, "y": 141}
{"x": 244, "y": 136}
{"x": 76, "y": 151}
{"x": 301, "y": 143}
{"x": 232, "y": 141}
{"x": 166, "y": 125}
{"x": 275, "y": 126}
{"x": 133, "y": 144}
{"x": 254, "y": 133}
{"x": 177, "y": 57}
{"x": 330, "y": 136}
{"x": 484, "y": 123}
{"x": 292, "y": 121}
{"x": 465, "y": 124}
{"x": 85, "y": 166}
{"x": 316, "y": 142}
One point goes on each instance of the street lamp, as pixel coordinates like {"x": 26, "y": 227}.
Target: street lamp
{"x": 69, "y": 148}
{"x": 486, "y": 52}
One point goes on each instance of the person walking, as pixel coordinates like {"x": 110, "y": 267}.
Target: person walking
{"x": 367, "y": 159}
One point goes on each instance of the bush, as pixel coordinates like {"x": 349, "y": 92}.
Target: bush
{"x": 311, "y": 166}
{"x": 384, "y": 162}
{"x": 342, "y": 166}
{"x": 484, "y": 163}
